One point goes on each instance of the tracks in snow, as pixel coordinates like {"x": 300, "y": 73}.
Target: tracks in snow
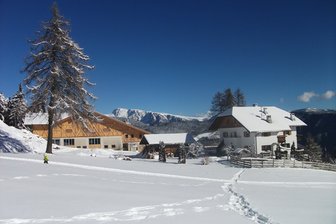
{"x": 236, "y": 202}
{"x": 239, "y": 204}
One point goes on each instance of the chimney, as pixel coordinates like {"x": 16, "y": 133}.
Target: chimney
{"x": 265, "y": 110}
{"x": 269, "y": 118}
{"x": 292, "y": 116}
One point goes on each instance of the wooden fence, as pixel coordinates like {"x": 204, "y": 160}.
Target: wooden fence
{"x": 269, "y": 163}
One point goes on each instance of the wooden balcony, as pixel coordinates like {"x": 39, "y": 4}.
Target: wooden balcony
{"x": 281, "y": 139}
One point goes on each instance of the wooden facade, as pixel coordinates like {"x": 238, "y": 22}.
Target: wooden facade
{"x": 107, "y": 132}
{"x": 225, "y": 122}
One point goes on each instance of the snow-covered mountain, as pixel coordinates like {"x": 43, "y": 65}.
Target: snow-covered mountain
{"x": 151, "y": 118}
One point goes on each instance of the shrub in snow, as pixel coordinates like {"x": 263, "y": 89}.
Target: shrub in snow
{"x": 162, "y": 152}
{"x": 195, "y": 150}
{"x": 182, "y": 154}
{"x": 205, "y": 161}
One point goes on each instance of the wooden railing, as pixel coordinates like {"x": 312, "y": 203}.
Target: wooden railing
{"x": 270, "y": 163}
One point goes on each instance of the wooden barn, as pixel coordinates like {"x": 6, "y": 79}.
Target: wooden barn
{"x": 107, "y": 133}
{"x": 171, "y": 141}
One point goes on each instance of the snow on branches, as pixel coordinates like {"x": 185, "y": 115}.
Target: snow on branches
{"x": 55, "y": 73}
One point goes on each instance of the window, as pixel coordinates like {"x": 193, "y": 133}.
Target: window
{"x": 233, "y": 134}
{"x": 78, "y": 147}
{"x": 69, "y": 141}
{"x": 246, "y": 134}
{"x": 105, "y": 146}
{"x": 113, "y": 146}
{"x": 56, "y": 141}
{"x": 225, "y": 134}
{"x": 84, "y": 147}
{"x": 140, "y": 136}
{"x": 266, "y": 147}
{"x": 126, "y": 136}
{"x": 94, "y": 141}
{"x": 132, "y": 136}
{"x": 266, "y": 134}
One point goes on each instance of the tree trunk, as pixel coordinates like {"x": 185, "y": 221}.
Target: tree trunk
{"x": 50, "y": 131}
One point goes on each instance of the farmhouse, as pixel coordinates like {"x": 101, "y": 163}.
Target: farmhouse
{"x": 171, "y": 141}
{"x": 108, "y": 132}
{"x": 259, "y": 129}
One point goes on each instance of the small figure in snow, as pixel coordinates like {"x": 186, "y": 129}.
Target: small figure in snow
{"x": 45, "y": 159}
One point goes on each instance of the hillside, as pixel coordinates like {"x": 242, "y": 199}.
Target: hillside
{"x": 13, "y": 140}
{"x": 321, "y": 126}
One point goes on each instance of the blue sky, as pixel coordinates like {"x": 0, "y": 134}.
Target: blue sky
{"x": 173, "y": 56}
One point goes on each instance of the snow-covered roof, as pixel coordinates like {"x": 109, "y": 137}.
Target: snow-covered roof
{"x": 175, "y": 138}
{"x": 39, "y": 118}
{"x": 262, "y": 119}
{"x": 36, "y": 118}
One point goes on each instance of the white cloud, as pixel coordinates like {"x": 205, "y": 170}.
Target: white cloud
{"x": 307, "y": 96}
{"x": 328, "y": 95}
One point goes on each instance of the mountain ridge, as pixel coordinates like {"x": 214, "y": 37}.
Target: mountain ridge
{"x": 150, "y": 117}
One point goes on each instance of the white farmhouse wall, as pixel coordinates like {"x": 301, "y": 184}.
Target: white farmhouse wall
{"x": 80, "y": 142}
{"x": 114, "y": 142}
{"x": 237, "y": 138}
{"x": 265, "y": 140}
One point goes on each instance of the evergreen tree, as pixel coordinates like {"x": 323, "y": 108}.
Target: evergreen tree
{"x": 229, "y": 100}
{"x": 239, "y": 98}
{"x": 55, "y": 75}
{"x": 16, "y": 110}
{"x": 3, "y": 106}
{"x": 313, "y": 149}
{"x": 217, "y": 103}
{"x": 222, "y": 101}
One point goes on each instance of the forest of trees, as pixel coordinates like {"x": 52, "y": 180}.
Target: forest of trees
{"x": 13, "y": 110}
{"x": 222, "y": 101}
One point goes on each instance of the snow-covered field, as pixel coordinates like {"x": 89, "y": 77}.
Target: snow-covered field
{"x": 82, "y": 186}
{"x": 78, "y": 188}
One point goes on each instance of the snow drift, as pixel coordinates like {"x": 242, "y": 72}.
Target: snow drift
{"x": 13, "y": 140}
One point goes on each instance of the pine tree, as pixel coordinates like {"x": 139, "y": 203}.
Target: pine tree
{"x": 3, "y": 106}
{"x": 217, "y": 103}
{"x": 55, "y": 75}
{"x": 222, "y": 101}
{"x": 16, "y": 110}
{"x": 313, "y": 149}
{"x": 239, "y": 98}
{"x": 229, "y": 100}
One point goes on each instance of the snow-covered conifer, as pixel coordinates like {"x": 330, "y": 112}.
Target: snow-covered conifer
{"x": 16, "y": 110}
{"x": 3, "y": 106}
{"x": 55, "y": 75}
